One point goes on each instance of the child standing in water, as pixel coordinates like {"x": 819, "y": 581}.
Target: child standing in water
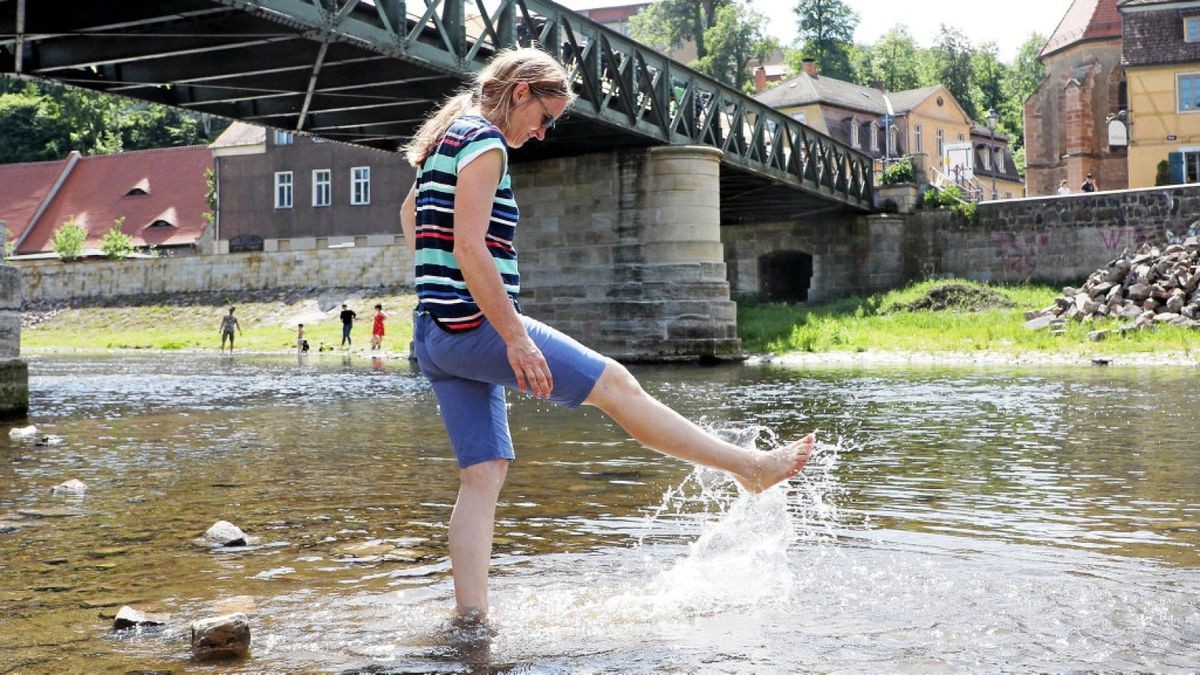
{"x": 377, "y": 328}
{"x": 471, "y": 341}
{"x": 300, "y": 337}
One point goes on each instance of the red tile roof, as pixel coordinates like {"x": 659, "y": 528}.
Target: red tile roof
{"x": 23, "y": 188}
{"x": 1084, "y": 20}
{"x": 97, "y": 191}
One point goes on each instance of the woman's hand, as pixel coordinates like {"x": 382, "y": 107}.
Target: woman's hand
{"x": 530, "y": 367}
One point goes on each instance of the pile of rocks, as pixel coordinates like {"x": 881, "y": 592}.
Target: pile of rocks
{"x": 1156, "y": 285}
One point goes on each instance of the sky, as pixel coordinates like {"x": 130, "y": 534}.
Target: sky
{"x": 1008, "y": 23}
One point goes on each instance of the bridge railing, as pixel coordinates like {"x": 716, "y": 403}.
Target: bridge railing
{"x": 617, "y": 80}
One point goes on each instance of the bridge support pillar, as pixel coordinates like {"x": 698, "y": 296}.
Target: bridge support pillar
{"x": 623, "y": 251}
{"x": 14, "y": 372}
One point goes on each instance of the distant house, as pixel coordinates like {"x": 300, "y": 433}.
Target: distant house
{"x": 995, "y": 161}
{"x": 1162, "y": 63}
{"x": 159, "y": 194}
{"x": 1068, "y": 116}
{"x": 925, "y": 121}
{"x": 279, "y": 191}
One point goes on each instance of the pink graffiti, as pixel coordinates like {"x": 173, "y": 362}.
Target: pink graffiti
{"x": 1117, "y": 238}
{"x": 1019, "y": 253}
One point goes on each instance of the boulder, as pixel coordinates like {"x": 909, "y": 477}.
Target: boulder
{"x": 221, "y": 637}
{"x": 23, "y": 432}
{"x": 129, "y": 617}
{"x": 1138, "y": 292}
{"x": 73, "y": 487}
{"x": 225, "y": 533}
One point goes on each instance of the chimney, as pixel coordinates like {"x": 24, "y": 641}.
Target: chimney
{"x": 810, "y": 67}
{"x": 760, "y": 80}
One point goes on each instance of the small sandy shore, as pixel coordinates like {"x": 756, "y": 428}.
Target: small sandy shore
{"x": 981, "y": 358}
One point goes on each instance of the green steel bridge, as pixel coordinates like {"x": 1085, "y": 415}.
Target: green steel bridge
{"x": 367, "y": 72}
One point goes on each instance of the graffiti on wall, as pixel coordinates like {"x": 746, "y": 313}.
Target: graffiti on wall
{"x": 1020, "y": 252}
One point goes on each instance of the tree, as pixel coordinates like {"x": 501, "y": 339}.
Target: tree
{"x": 894, "y": 60}
{"x": 738, "y": 35}
{"x": 826, "y": 31}
{"x": 951, "y": 66}
{"x": 69, "y": 238}
{"x": 665, "y": 24}
{"x": 987, "y": 82}
{"x": 116, "y": 244}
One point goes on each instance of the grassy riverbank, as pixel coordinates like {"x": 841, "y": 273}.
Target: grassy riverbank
{"x": 187, "y": 322}
{"x": 890, "y": 322}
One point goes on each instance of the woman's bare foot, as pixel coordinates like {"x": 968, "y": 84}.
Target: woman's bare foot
{"x": 778, "y": 464}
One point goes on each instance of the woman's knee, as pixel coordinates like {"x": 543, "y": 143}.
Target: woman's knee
{"x": 487, "y": 475}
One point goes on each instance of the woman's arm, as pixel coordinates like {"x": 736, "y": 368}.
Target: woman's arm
{"x": 408, "y": 218}
{"x": 477, "y": 183}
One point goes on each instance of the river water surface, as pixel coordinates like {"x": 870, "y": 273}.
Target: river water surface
{"x": 952, "y": 520}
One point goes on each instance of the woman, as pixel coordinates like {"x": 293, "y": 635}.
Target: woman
{"x": 377, "y": 328}
{"x": 469, "y": 336}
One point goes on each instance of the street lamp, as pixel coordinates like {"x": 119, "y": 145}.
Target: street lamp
{"x": 992, "y": 117}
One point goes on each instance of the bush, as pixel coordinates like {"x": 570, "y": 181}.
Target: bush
{"x": 1162, "y": 173}
{"x": 115, "y": 243}
{"x": 951, "y": 197}
{"x": 900, "y": 172}
{"x": 69, "y": 239}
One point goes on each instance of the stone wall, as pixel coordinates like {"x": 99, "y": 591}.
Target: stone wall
{"x": 339, "y": 267}
{"x": 14, "y": 373}
{"x": 1048, "y": 239}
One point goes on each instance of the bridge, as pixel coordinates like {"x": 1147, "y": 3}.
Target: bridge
{"x": 367, "y": 73}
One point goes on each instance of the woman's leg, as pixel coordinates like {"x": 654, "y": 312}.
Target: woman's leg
{"x": 660, "y": 428}
{"x": 471, "y": 527}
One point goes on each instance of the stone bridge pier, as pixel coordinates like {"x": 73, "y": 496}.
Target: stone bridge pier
{"x": 14, "y": 373}
{"x": 622, "y": 250}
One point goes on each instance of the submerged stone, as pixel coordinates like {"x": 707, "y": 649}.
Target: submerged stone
{"x": 225, "y": 533}
{"x": 71, "y": 487}
{"x": 221, "y": 637}
{"x": 129, "y": 617}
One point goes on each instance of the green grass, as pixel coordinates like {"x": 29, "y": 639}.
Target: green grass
{"x": 266, "y": 326}
{"x": 872, "y": 324}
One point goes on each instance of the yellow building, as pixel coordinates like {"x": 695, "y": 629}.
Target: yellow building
{"x": 1161, "y": 48}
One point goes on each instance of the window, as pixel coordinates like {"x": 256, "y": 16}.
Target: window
{"x": 360, "y": 185}
{"x": 283, "y": 189}
{"x": 160, "y": 223}
{"x": 1189, "y": 92}
{"x": 918, "y": 142}
{"x": 874, "y": 137}
{"x": 1191, "y": 29}
{"x": 986, "y": 155}
{"x": 321, "y": 180}
{"x": 136, "y": 192}
{"x": 999, "y": 160}
{"x": 854, "y": 133}
{"x": 893, "y": 147}
{"x": 941, "y": 143}
{"x": 1191, "y": 166}
{"x": 961, "y": 137}
{"x": 283, "y": 137}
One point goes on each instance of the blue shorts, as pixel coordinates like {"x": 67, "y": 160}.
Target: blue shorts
{"x": 470, "y": 370}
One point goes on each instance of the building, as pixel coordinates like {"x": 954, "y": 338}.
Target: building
{"x": 279, "y": 191}
{"x": 615, "y": 15}
{"x": 158, "y": 197}
{"x": 1162, "y": 66}
{"x": 1068, "y": 115}
{"x": 997, "y": 164}
{"x": 925, "y": 121}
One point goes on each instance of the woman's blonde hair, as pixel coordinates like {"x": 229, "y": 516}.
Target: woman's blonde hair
{"x": 492, "y": 92}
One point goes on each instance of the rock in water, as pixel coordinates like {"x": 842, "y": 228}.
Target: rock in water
{"x": 129, "y": 617}
{"x": 221, "y": 637}
{"x": 23, "y": 432}
{"x": 225, "y": 533}
{"x": 71, "y": 487}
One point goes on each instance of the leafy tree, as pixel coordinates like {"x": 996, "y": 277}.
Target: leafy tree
{"x": 826, "y": 31}
{"x": 738, "y": 36}
{"x": 116, "y": 244}
{"x": 68, "y": 239}
{"x": 951, "y": 66}
{"x": 894, "y": 60}
{"x": 664, "y": 24}
{"x": 1021, "y": 78}
{"x": 987, "y": 82}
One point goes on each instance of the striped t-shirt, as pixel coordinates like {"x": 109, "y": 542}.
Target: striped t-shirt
{"x": 441, "y": 290}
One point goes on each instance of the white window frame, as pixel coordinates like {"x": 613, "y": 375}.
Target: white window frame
{"x": 941, "y": 143}
{"x": 892, "y": 137}
{"x": 1195, "y": 78}
{"x": 854, "y": 140}
{"x": 284, "y": 137}
{"x": 284, "y": 189}
{"x": 358, "y": 198}
{"x": 918, "y": 139}
{"x": 1191, "y": 29}
{"x": 874, "y": 136}
{"x": 987, "y": 158}
{"x": 999, "y": 160}
{"x": 322, "y": 187}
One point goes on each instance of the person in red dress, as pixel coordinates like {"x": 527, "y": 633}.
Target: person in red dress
{"x": 377, "y": 328}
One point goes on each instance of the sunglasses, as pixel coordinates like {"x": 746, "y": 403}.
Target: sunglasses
{"x": 548, "y": 120}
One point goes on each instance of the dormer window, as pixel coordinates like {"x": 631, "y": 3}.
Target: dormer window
{"x": 159, "y": 223}
{"x": 139, "y": 189}
{"x": 136, "y": 192}
{"x": 874, "y": 137}
{"x": 283, "y": 137}
{"x": 1191, "y": 29}
{"x": 986, "y": 158}
{"x": 854, "y": 134}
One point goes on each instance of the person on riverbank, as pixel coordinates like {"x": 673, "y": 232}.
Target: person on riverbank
{"x": 229, "y": 323}
{"x": 347, "y": 316}
{"x": 1089, "y": 184}
{"x": 377, "y": 328}
{"x": 1062, "y": 187}
{"x": 470, "y": 338}
{"x": 301, "y": 343}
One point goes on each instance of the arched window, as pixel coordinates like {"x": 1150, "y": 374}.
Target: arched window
{"x": 136, "y": 192}
{"x": 854, "y": 142}
{"x": 874, "y": 137}
{"x": 160, "y": 223}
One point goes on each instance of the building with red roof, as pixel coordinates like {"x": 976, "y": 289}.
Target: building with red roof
{"x": 1067, "y": 117}
{"x": 159, "y": 193}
